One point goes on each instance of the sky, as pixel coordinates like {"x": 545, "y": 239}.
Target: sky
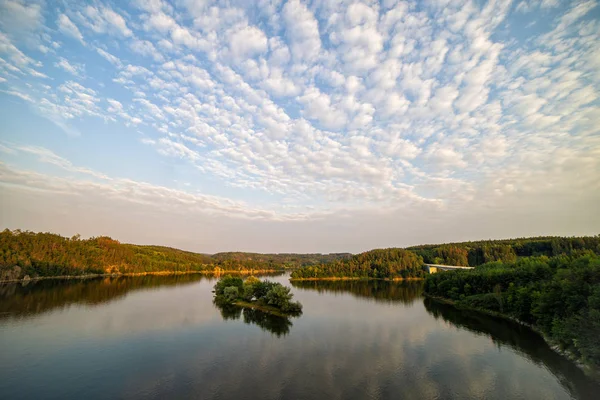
{"x": 292, "y": 126}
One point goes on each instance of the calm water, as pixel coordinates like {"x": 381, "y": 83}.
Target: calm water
{"x": 162, "y": 337}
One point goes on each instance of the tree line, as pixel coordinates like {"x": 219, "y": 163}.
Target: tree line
{"x": 374, "y": 264}
{"x": 407, "y": 263}
{"x": 24, "y": 253}
{"x": 472, "y": 254}
{"x": 560, "y": 296}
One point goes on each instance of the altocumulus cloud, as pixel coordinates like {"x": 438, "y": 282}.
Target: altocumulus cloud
{"x": 300, "y": 126}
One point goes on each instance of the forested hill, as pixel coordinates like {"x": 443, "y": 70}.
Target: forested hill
{"x": 477, "y": 253}
{"x": 32, "y": 254}
{"x": 24, "y": 253}
{"x": 285, "y": 260}
{"x": 560, "y": 296}
{"x": 380, "y": 263}
{"x": 408, "y": 262}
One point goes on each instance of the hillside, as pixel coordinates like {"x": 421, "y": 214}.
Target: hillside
{"x": 559, "y": 296}
{"x": 32, "y": 254}
{"x": 480, "y": 252}
{"x": 407, "y": 263}
{"x": 376, "y": 264}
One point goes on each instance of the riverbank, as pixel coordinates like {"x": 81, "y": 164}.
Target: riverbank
{"x": 131, "y": 274}
{"x": 588, "y": 369}
{"x": 347, "y": 278}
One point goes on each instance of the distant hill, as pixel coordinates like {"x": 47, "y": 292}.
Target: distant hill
{"x": 24, "y": 253}
{"x": 285, "y": 260}
{"x": 407, "y": 263}
{"x": 480, "y": 252}
{"x": 378, "y": 264}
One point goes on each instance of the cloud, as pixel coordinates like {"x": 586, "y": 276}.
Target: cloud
{"x": 104, "y": 20}
{"x": 318, "y": 106}
{"x": 66, "y": 26}
{"x": 88, "y": 181}
{"x": 248, "y": 42}
{"x": 109, "y": 57}
{"x": 303, "y": 31}
{"x": 325, "y": 108}
{"x": 21, "y": 20}
{"x": 147, "y": 49}
{"x": 74, "y": 69}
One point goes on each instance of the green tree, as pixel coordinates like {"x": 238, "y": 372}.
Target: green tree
{"x": 231, "y": 293}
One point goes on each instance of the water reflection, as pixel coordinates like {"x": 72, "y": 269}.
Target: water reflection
{"x": 520, "y": 339}
{"x": 36, "y": 297}
{"x": 405, "y": 292}
{"x": 279, "y": 326}
{"x": 355, "y": 340}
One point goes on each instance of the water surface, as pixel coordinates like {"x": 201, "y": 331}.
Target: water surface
{"x": 162, "y": 337}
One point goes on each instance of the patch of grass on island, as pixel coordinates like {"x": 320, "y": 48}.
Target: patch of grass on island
{"x": 266, "y": 296}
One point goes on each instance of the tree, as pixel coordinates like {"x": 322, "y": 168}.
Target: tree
{"x": 226, "y": 282}
{"x": 231, "y": 293}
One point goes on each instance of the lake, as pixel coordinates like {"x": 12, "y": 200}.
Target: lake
{"x": 162, "y": 337}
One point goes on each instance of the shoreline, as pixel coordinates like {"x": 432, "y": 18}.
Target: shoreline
{"x": 265, "y": 309}
{"x": 158, "y": 273}
{"x": 588, "y": 369}
{"x": 333, "y": 278}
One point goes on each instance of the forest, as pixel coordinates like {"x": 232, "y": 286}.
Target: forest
{"x": 559, "y": 296}
{"x": 29, "y": 254}
{"x": 375, "y": 264}
{"x": 396, "y": 263}
{"x": 472, "y": 254}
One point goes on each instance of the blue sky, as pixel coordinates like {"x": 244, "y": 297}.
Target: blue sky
{"x": 300, "y": 126}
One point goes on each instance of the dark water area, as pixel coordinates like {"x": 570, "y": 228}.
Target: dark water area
{"x": 162, "y": 337}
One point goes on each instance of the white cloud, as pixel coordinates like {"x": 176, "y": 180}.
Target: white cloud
{"x": 67, "y": 26}
{"x": 303, "y": 31}
{"x": 161, "y": 22}
{"x": 147, "y": 49}
{"x": 109, "y": 57}
{"x": 318, "y": 106}
{"x": 248, "y": 42}
{"x": 74, "y": 69}
{"x": 326, "y": 106}
{"x": 21, "y": 19}
{"x": 105, "y": 20}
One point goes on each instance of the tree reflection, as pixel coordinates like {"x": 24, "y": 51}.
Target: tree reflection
{"x": 519, "y": 338}
{"x": 405, "y": 292}
{"x": 279, "y": 326}
{"x": 18, "y": 300}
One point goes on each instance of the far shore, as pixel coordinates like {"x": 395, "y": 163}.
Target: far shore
{"x": 160, "y": 273}
{"x": 349, "y": 278}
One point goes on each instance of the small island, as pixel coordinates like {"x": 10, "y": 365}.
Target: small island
{"x": 266, "y": 296}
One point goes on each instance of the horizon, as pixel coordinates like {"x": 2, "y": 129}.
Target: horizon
{"x": 300, "y": 127}
{"x": 322, "y": 253}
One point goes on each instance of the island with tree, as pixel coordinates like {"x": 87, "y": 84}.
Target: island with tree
{"x": 266, "y": 296}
